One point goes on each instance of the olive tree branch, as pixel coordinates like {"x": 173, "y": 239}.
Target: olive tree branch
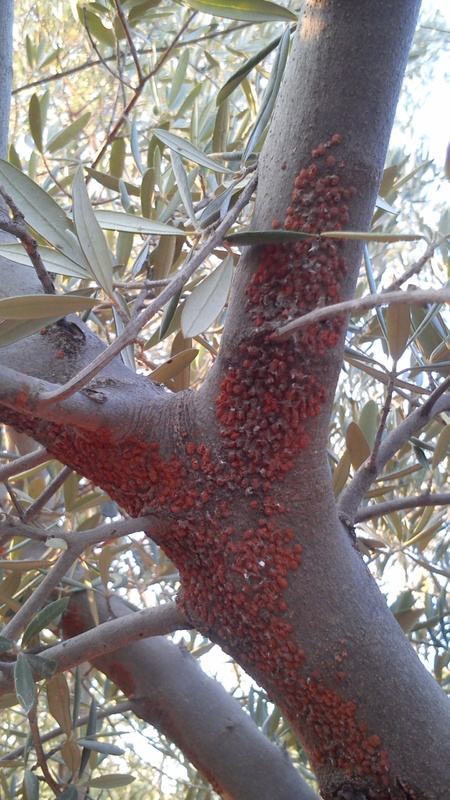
{"x": 106, "y": 638}
{"x": 134, "y": 327}
{"x": 109, "y": 711}
{"x": 400, "y": 503}
{"x": 368, "y": 471}
{"x": 415, "y": 268}
{"x": 49, "y": 491}
{"x": 84, "y": 539}
{"x": 17, "y": 227}
{"x": 40, "y": 755}
{"x": 77, "y": 542}
{"x": 116, "y": 633}
{"x": 418, "y": 297}
{"x": 23, "y": 393}
{"x": 18, "y": 465}
{"x": 130, "y": 41}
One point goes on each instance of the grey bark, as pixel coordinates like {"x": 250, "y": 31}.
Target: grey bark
{"x": 6, "y": 71}
{"x": 170, "y": 691}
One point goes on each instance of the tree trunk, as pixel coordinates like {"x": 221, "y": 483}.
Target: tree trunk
{"x": 170, "y": 692}
{"x": 6, "y": 73}
{"x": 237, "y": 472}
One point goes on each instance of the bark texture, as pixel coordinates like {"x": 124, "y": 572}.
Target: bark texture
{"x": 170, "y": 692}
{"x": 6, "y": 72}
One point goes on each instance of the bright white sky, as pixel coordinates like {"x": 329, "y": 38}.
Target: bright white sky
{"x": 433, "y": 117}
{"x": 430, "y": 129}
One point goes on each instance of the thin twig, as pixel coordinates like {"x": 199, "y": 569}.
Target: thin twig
{"x": 50, "y": 490}
{"x": 84, "y": 539}
{"x": 400, "y": 504}
{"x": 422, "y": 562}
{"x": 418, "y": 297}
{"x": 371, "y": 461}
{"x": 362, "y": 480}
{"x": 24, "y": 463}
{"x": 142, "y": 284}
{"x": 415, "y": 268}
{"x": 130, "y": 41}
{"x": 19, "y": 229}
{"x": 57, "y": 76}
{"x": 435, "y": 395}
{"x": 135, "y": 326}
{"x": 109, "y": 711}
{"x": 40, "y": 755}
{"x": 55, "y": 180}
{"x": 12, "y": 496}
{"x": 37, "y": 599}
{"x": 102, "y": 60}
{"x": 138, "y": 91}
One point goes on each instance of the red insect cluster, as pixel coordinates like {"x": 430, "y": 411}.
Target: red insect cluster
{"x": 234, "y": 577}
{"x": 237, "y": 579}
{"x": 340, "y": 740}
{"x": 267, "y": 396}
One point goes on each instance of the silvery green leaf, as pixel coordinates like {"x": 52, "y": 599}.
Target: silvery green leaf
{"x": 71, "y": 793}
{"x": 101, "y": 747}
{"x": 244, "y": 10}
{"x": 176, "y": 200}
{"x": 56, "y": 543}
{"x": 207, "y": 300}
{"x": 127, "y": 353}
{"x": 112, "y": 781}
{"x": 91, "y": 237}
{"x": 183, "y": 186}
{"x": 381, "y": 203}
{"x": 118, "y": 221}
{"x": 270, "y": 95}
{"x": 64, "y": 137}
{"x": 44, "y": 618}
{"x": 188, "y": 150}
{"x": 24, "y": 683}
{"x": 244, "y": 70}
{"x": 134, "y": 140}
{"x": 54, "y": 260}
{"x": 6, "y": 644}
{"x": 41, "y": 212}
{"x": 39, "y": 306}
{"x": 31, "y": 785}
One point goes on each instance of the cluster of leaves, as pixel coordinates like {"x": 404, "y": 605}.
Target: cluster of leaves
{"x": 166, "y": 108}
{"x": 393, "y": 359}
{"x": 143, "y": 167}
